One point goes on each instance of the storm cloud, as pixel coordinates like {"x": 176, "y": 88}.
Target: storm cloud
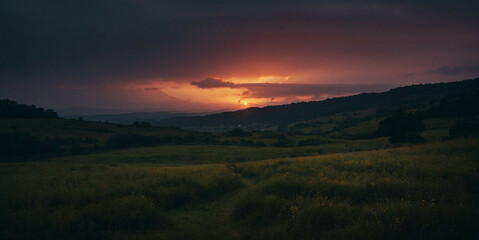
{"x": 274, "y": 90}
{"x": 212, "y": 83}
{"x": 82, "y": 43}
{"x": 457, "y": 70}
{"x": 100, "y": 40}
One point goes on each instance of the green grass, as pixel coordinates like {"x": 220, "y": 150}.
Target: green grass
{"x": 202, "y": 154}
{"x": 363, "y": 128}
{"x": 328, "y": 123}
{"x": 60, "y": 201}
{"x": 437, "y": 128}
{"x": 427, "y": 191}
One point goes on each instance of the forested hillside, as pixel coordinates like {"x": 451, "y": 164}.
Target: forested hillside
{"x": 403, "y": 97}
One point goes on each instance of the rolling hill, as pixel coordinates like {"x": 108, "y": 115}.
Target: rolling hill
{"x": 129, "y": 118}
{"x": 413, "y": 96}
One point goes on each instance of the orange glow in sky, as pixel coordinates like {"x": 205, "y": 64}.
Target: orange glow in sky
{"x": 232, "y": 93}
{"x": 225, "y": 97}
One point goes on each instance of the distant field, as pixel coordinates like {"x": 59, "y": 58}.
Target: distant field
{"x": 75, "y": 128}
{"x": 202, "y": 154}
{"x": 426, "y": 191}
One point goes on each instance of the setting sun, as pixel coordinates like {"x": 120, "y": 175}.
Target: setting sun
{"x": 246, "y": 104}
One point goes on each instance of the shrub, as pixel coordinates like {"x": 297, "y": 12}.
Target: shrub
{"x": 464, "y": 129}
{"x": 401, "y": 127}
{"x": 238, "y": 132}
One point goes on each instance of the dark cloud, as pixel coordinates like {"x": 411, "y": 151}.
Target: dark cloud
{"x": 102, "y": 40}
{"x": 78, "y": 43}
{"x": 457, "y": 70}
{"x": 212, "y": 83}
{"x": 273, "y": 90}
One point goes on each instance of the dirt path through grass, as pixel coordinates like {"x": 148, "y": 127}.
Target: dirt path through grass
{"x": 211, "y": 218}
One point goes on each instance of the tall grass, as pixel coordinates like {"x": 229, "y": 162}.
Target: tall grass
{"x": 427, "y": 191}
{"x": 65, "y": 201}
{"x": 203, "y": 154}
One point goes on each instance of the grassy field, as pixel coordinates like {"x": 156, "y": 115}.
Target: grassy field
{"x": 75, "y": 128}
{"x": 203, "y": 154}
{"x": 426, "y": 191}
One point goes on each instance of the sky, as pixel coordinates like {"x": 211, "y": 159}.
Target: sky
{"x": 208, "y": 55}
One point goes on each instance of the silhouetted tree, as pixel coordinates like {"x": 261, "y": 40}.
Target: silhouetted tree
{"x": 142, "y": 124}
{"x": 401, "y": 127}
{"x": 12, "y": 109}
{"x": 464, "y": 129}
{"x": 238, "y": 132}
{"x": 462, "y": 105}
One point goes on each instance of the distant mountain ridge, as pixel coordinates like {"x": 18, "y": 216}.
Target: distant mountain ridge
{"x": 130, "y": 117}
{"x": 83, "y": 111}
{"x": 401, "y": 97}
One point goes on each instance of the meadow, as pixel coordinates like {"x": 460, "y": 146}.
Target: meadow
{"x": 368, "y": 174}
{"x": 423, "y": 191}
{"x": 202, "y": 154}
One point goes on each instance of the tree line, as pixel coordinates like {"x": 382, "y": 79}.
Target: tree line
{"x": 11, "y": 109}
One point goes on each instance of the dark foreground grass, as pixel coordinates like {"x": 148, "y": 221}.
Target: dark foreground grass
{"x": 428, "y": 191}
{"x": 58, "y": 201}
{"x": 204, "y": 154}
{"x": 425, "y": 192}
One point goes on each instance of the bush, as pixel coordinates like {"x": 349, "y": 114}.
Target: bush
{"x": 401, "y": 127}
{"x": 238, "y": 132}
{"x": 464, "y": 129}
{"x": 461, "y": 104}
